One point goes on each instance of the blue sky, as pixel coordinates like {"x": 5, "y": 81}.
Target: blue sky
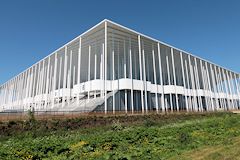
{"x": 31, "y": 29}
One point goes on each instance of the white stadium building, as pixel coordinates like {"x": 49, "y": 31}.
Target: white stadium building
{"x": 111, "y": 68}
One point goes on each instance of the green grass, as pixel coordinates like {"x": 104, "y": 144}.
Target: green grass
{"x": 210, "y": 136}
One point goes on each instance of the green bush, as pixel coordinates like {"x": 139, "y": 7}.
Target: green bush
{"x": 116, "y": 125}
{"x": 149, "y": 122}
{"x": 184, "y": 138}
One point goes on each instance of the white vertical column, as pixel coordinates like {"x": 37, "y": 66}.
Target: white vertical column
{"x": 95, "y": 70}
{"x": 174, "y": 79}
{"x": 222, "y": 86}
{"x": 113, "y": 77}
{"x": 188, "y": 89}
{"x": 59, "y": 79}
{"x": 125, "y": 74}
{"x": 140, "y": 65}
{"x": 228, "y": 106}
{"x": 74, "y": 77}
{"x": 47, "y": 85}
{"x": 230, "y": 90}
{"x": 10, "y": 94}
{"x": 218, "y": 85}
{"x": 18, "y": 91}
{"x": 54, "y": 79}
{"x": 70, "y": 79}
{"x": 25, "y": 91}
{"x": 89, "y": 69}
{"x": 105, "y": 68}
{"x": 237, "y": 87}
{"x": 161, "y": 79}
{"x": 209, "y": 87}
{"x": 184, "y": 82}
{"x": 198, "y": 85}
{"x": 235, "y": 98}
{"x": 31, "y": 85}
{"x": 38, "y": 81}
{"x": 155, "y": 79}
{"x": 169, "y": 83}
{"x": 102, "y": 71}
{"x": 145, "y": 81}
{"x": 131, "y": 73}
{"x": 64, "y": 77}
{"x": 28, "y": 87}
{"x": 193, "y": 84}
{"x": 214, "y": 87}
{"x": 79, "y": 67}
{"x": 42, "y": 83}
{"x": 233, "y": 90}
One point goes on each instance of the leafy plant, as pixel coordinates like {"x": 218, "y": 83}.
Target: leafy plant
{"x": 116, "y": 125}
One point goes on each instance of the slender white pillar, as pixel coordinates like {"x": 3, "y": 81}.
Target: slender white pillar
{"x": 42, "y": 84}
{"x": 59, "y": 79}
{"x": 184, "y": 82}
{"x": 131, "y": 74}
{"x": 155, "y": 79}
{"x": 70, "y": 79}
{"x": 73, "y": 80}
{"x": 195, "y": 105}
{"x": 113, "y": 77}
{"x": 89, "y": 68}
{"x": 64, "y": 78}
{"x": 140, "y": 67}
{"x": 38, "y": 80}
{"x": 54, "y": 79}
{"x": 161, "y": 79}
{"x": 188, "y": 89}
{"x": 214, "y": 87}
{"x": 102, "y": 71}
{"x": 218, "y": 86}
{"x": 144, "y": 81}
{"x": 230, "y": 90}
{"x": 223, "y": 88}
{"x": 47, "y": 85}
{"x": 174, "y": 79}
{"x": 237, "y": 87}
{"x": 169, "y": 83}
{"x": 233, "y": 90}
{"x": 95, "y": 71}
{"x": 79, "y": 68}
{"x": 198, "y": 85}
{"x": 105, "y": 68}
{"x": 210, "y": 86}
{"x": 226, "y": 90}
{"x": 31, "y": 86}
{"x": 125, "y": 74}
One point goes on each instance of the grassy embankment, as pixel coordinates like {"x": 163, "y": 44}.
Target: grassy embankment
{"x": 174, "y": 136}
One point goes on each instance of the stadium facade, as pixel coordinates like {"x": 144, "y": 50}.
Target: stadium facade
{"x": 112, "y": 68}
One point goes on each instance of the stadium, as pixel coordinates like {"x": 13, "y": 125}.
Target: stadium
{"x": 111, "y": 68}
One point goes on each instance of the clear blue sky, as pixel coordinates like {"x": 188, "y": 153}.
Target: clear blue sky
{"x": 31, "y": 29}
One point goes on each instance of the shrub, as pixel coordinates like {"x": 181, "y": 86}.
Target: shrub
{"x": 149, "y": 123}
{"x": 116, "y": 125}
{"x": 184, "y": 138}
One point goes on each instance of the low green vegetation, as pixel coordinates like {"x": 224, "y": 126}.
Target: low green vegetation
{"x": 174, "y": 136}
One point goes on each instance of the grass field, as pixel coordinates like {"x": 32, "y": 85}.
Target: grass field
{"x": 174, "y": 136}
